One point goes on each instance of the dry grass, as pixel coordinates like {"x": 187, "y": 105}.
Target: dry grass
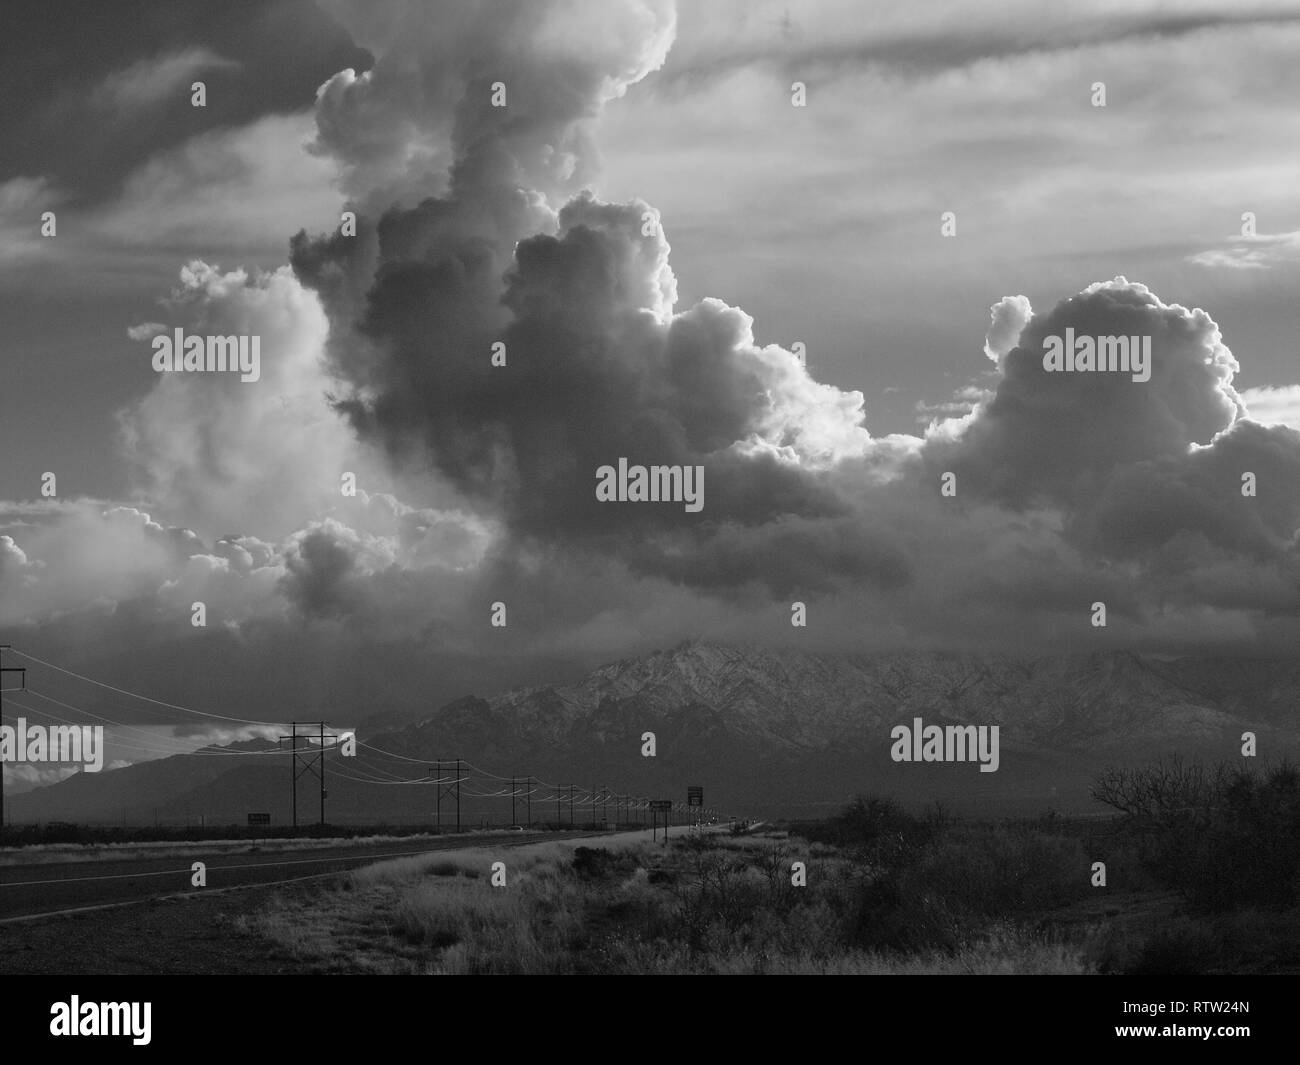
{"x": 723, "y": 905}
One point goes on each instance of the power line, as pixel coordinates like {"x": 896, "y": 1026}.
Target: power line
{"x": 145, "y": 698}
{"x": 132, "y": 728}
{"x": 22, "y": 678}
{"x": 446, "y": 786}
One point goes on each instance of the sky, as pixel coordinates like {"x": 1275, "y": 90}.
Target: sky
{"x": 684, "y": 268}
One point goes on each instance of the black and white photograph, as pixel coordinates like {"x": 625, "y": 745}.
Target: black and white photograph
{"x": 651, "y": 488}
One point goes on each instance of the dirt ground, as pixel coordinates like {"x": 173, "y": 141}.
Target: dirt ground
{"x": 188, "y": 935}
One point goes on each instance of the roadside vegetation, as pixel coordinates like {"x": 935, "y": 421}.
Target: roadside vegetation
{"x": 1200, "y": 876}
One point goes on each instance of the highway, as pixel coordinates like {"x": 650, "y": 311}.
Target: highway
{"x": 42, "y": 889}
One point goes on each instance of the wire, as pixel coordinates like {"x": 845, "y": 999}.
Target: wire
{"x": 572, "y": 794}
{"x": 391, "y": 754}
{"x": 134, "y": 744}
{"x": 145, "y": 698}
{"x": 134, "y": 728}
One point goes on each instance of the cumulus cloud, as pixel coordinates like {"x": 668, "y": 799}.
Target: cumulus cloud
{"x": 601, "y": 364}
{"x": 78, "y": 564}
{"x": 233, "y": 456}
{"x": 397, "y": 127}
{"x": 1009, "y": 316}
{"x": 1057, "y": 436}
{"x": 476, "y": 226}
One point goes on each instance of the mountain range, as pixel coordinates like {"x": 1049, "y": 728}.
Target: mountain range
{"x": 767, "y": 732}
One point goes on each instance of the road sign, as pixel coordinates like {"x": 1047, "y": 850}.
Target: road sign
{"x": 694, "y": 795}
{"x": 259, "y": 819}
{"x": 661, "y": 804}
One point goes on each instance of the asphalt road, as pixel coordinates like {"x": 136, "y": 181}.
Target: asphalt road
{"x": 46, "y": 888}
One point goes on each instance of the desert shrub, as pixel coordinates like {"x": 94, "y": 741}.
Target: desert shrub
{"x": 601, "y": 863}
{"x": 993, "y": 872}
{"x": 943, "y": 894}
{"x": 877, "y": 828}
{"x": 1221, "y": 836}
{"x": 1126, "y": 866}
{"x": 718, "y": 888}
{"x": 590, "y": 863}
{"x": 1180, "y": 947}
{"x": 886, "y": 916}
{"x": 1260, "y": 940}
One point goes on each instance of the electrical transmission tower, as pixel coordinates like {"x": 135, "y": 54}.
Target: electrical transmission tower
{"x": 22, "y": 687}
{"x": 305, "y": 760}
{"x": 446, "y": 788}
{"x": 528, "y": 800}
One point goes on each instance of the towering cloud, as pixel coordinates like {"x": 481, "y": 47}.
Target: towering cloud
{"x": 478, "y": 226}
{"x": 600, "y": 365}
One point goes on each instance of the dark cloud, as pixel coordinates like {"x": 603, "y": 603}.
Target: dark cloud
{"x": 318, "y": 566}
{"x": 1143, "y": 480}
{"x": 598, "y": 369}
{"x": 598, "y": 366}
{"x": 422, "y": 120}
{"x": 473, "y": 228}
{"x": 124, "y": 71}
{"x": 1056, "y": 437}
{"x": 1123, "y": 482}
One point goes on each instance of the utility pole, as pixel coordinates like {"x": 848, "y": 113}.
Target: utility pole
{"x": 570, "y": 805}
{"x": 293, "y": 773}
{"x": 444, "y": 788}
{"x": 313, "y": 763}
{"x": 513, "y": 793}
{"x": 22, "y": 687}
{"x": 530, "y": 802}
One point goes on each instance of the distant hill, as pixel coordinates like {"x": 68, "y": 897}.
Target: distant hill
{"x": 767, "y": 732}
